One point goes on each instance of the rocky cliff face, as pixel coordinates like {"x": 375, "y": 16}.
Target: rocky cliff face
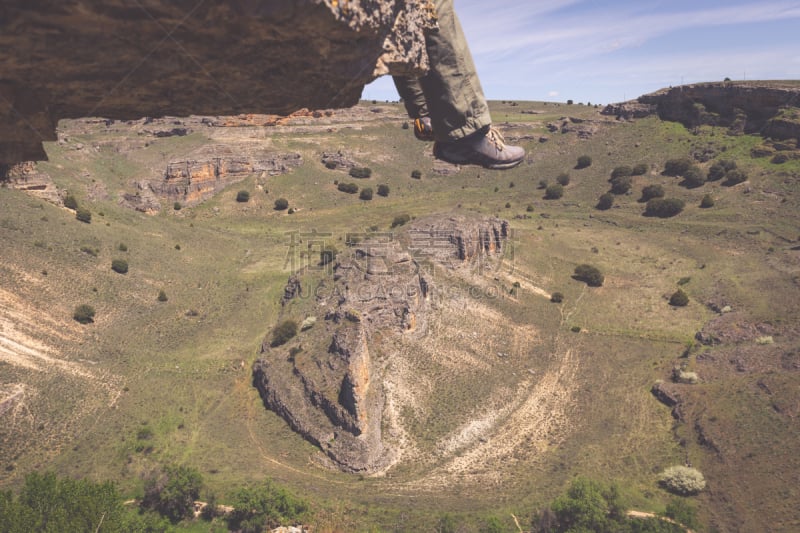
{"x": 327, "y": 383}
{"x": 110, "y": 58}
{"x": 764, "y": 108}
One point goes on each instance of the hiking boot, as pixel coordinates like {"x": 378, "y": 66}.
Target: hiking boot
{"x": 486, "y": 148}
{"x": 423, "y": 130}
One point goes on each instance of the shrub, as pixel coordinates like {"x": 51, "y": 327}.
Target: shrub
{"x": 583, "y": 162}
{"x": 264, "y": 508}
{"x": 122, "y": 247}
{"x": 176, "y": 206}
{"x": 542, "y": 184}
{"x": 652, "y": 191}
{"x": 639, "y": 169}
{"x": 621, "y": 171}
{"x": 283, "y": 333}
{"x": 383, "y": 190}
{"x": 416, "y": 174}
{"x": 327, "y": 255}
{"x": 589, "y": 275}
{"x": 84, "y": 215}
{"x": 693, "y": 177}
{"x": 84, "y": 314}
{"x": 530, "y": 208}
{"x": 605, "y": 202}
{"x": 563, "y": 179}
{"x": 677, "y": 167}
{"x": 89, "y": 250}
{"x": 399, "y": 220}
{"x": 361, "y": 172}
{"x": 621, "y": 185}
{"x": 120, "y": 266}
{"x": 664, "y": 207}
{"x": 366, "y": 194}
{"x": 162, "y": 296}
{"x": 707, "y": 201}
{"x": 683, "y": 480}
{"x": 554, "y": 191}
{"x": 172, "y": 492}
{"x": 70, "y": 202}
{"x": 734, "y": 177}
{"x": 679, "y": 299}
{"x": 281, "y": 204}
{"x": 291, "y": 211}
{"x": 557, "y": 297}
{"x": 349, "y": 188}
{"x": 242, "y": 196}
{"x": 682, "y": 512}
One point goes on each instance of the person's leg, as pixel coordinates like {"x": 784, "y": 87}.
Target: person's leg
{"x": 413, "y": 98}
{"x": 451, "y": 88}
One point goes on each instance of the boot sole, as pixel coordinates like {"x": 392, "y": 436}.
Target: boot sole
{"x": 480, "y": 161}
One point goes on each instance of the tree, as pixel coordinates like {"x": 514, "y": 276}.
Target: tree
{"x": 563, "y": 179}
{"x": 679, "y": 299}
{"x": 416, "y": 174}
{"x": 366, "y": 194}
{"x": 172, "y": 492}
{"x": 84, "y": 215}
{"x": 621, "y": 171}
{"x": 734, "y": 177}
{"x": 652, "y": 191}
{"x": 621, "y": 184}
{"x": 587, "y": 506}
{"x": 383, "y": 190}
{"x": 283, "y": 333}
{"x": 177, "y": 206}
{"x": 120, "y": 266}
{"x": 349, "y": 188}
{"x": 693, "y": 177}
{"x": 664, "y": 207}
{"x": 162, "y": 296}
{"x": 70, "y": 202}
{"x": 557, "y": 297}
{"x": 399, "y": 220}
{"x": 265, "y": 507}
{"x": 589, "y": 274}
{"x": 554, "y": 191}
{"x": 281, "y": 204}
{"x": 677, "y": 167}
{"x": 683, "y": 480}
{"x": 707, "y": 201}
{"x": 361, "y": 172}
{"x": 583, "y": 162}
{"x": 639, "y": 170}
{"x": 84, "y": 314}
{"x": 243, "y": 196}
{"x": 605, "y": 202}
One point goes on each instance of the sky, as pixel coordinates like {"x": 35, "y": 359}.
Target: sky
{"x": 607, "y": 51}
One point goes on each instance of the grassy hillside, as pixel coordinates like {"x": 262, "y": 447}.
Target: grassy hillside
{"x": 74, "y": 398}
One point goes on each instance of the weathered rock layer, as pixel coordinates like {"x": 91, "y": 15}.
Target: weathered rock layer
{"x": 122, "y": 60}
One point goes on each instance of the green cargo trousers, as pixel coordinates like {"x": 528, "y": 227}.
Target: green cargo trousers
{"x": 450, "y": 93}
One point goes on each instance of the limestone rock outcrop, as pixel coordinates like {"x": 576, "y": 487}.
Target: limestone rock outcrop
{"x": 327, "y": 382}
{"x": 767, "y": 108}
{"x": 122, "y": 60}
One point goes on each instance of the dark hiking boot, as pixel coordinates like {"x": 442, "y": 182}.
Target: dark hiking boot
{"x": 423, "y": 130}
{"x": 486, "y": 148}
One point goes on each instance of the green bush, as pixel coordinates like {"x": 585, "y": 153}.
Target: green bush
{"x": 652, "y": 191}
{"x": 366, "y": 194}
{"x": 563, "y": 179}
{"x": 683, "y": 480}
{"x": 679, "y": 299}
{"x": 120, "y": 266}
{"x": 283, "y": 332}
{"x": 400, "y": 220}
{"x": 416, "y": 174}
{"x": 693, "y": 177}
{"x": 264, "y": 508}
{"x": 327, "y": 255}
{"x": 621, "y": 171}
{"x": 361, "y": 172}
{"x": 172, "y": 492}
{"x": 589, "y": 274}
{"x": 621, "y": 184}
{"x": 162, "y": 296}
{"x": 707, "y": 201}
{"x": 682, "y": 512}
{"x": 281, "y": 204}
{"x": 84, "y": 215}
{"x": 84, "y": 314}
{"x": 734, "y": 177}
{"x": 70, "y": 202}
{"x": 554, "y": 191}
{"x": 349, "y": 188}
{"x": 542, "y": 184}
{"x": 639, "y": 169}
{"x": 677, "y": 167}
{"x": 605, "y": 202}
{"x": 383, "y": 190}
{"x": 583, "y": 162}
{"x": 177, "y": 206}
{"x": 664, "y": 207}
{"x": 557, "y": 297}
{"x": 122, "y": 247}
{"x": 242, "y": 196}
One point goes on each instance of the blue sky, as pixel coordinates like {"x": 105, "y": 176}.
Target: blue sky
{"x": 609, "y": 51}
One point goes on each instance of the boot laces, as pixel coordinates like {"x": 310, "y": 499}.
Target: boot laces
{"x": 496, "y": 138}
